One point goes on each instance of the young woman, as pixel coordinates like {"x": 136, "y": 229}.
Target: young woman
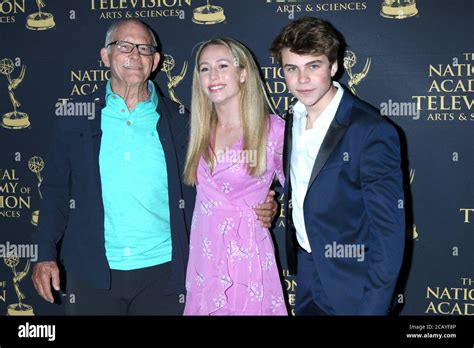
{"x": 235, "y": 151}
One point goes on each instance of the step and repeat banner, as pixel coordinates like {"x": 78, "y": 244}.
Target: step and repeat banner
{"x": 414, "y": 60}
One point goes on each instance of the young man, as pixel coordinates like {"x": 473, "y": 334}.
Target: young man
{"x": 343, "y": 164}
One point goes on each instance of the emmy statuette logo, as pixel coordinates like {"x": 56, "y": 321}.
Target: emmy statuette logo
{"x": 208, "y": 14}
{"x": 412, "y": 175}
{"x": 36, "y": 165}
{"x": 173, "y": 81}
{"x": 13, "y": 119}
{"x": 349, "y": 61}
{"x": 40, "y": 20}
{"x": 398, "y": 9}
{"x": 20, "y": 308}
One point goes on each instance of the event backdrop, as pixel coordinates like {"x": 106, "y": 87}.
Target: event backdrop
{"x": 414, "y": 60}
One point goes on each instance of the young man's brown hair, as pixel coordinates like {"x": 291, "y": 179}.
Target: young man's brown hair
{"x": 309, "y": 36}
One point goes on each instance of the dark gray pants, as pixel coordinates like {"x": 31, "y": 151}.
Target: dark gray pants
{"x": 135, "y": 292}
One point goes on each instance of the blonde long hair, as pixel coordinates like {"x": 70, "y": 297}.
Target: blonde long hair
{"x": 253, "y": 107}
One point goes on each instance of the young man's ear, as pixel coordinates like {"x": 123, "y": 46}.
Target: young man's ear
{"x": 334, "y": 67}
{"x": 104, "y": 55}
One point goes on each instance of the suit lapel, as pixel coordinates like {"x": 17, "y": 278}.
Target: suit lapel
{"x": 336, "y": 130}
{"x": 96, "y": 123}
{"x": 96, "y": 137}
{"x": 290, "y": 235}
{"x": 288, "y": 141}
{"x": 165, "y": 133}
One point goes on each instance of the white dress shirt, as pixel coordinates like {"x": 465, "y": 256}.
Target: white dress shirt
{"x": 305, "y": 149}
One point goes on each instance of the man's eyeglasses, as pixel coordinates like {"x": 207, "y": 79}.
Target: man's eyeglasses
{"x": 127, "y": 47}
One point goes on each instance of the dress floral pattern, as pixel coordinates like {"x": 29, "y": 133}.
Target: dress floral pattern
{"x": 232, "y": 268}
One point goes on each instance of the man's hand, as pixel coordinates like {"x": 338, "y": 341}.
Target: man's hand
{"x": 43, "y": 274}
{"x": 267, "y": 211}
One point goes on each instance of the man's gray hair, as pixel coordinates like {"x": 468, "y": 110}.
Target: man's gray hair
{"x": 115, "y": 25}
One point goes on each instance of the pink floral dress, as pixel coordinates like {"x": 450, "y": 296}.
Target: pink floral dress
{"x": 232, "y": 268}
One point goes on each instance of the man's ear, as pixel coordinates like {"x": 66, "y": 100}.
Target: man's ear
{"x": 104, "y": 55}
{"x": 334, "y": 67}
{"x": 156, "y": 60}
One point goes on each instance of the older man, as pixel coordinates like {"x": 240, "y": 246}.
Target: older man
{"x": 113, "y": 193}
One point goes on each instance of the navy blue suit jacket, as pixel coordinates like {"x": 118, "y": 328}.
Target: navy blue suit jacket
{"x": 354, "y": 197}
{"x": 72, "y": 208}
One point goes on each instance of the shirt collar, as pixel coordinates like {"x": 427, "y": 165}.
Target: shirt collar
{"x": 151, "y": 89}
